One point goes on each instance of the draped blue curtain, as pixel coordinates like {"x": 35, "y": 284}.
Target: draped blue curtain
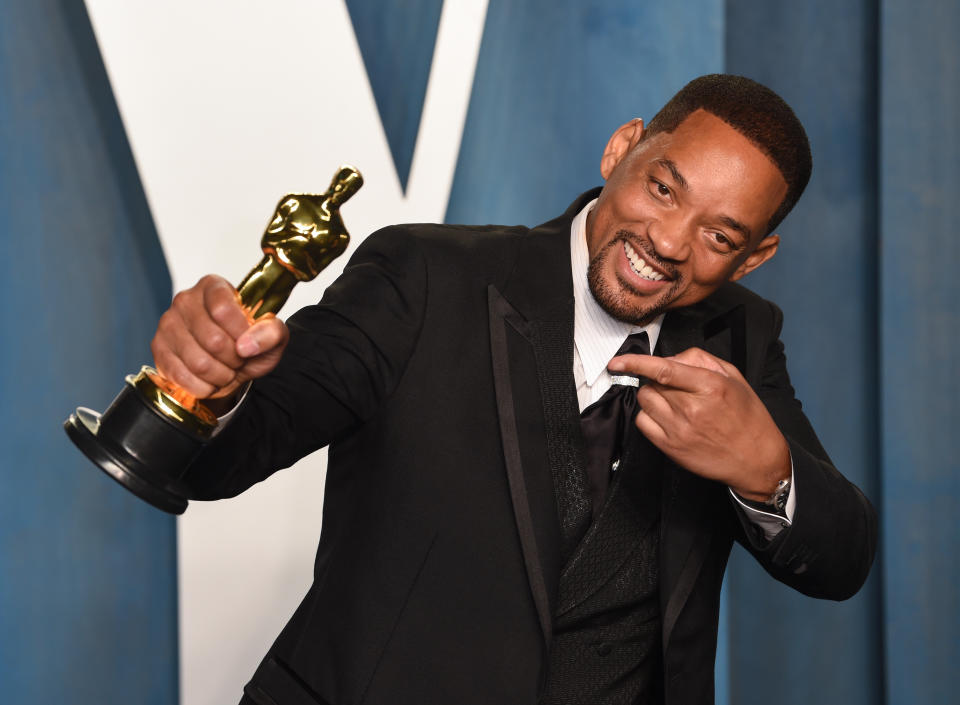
{"x": 87, "y": 576}
{"x": 821, "y": 57}
{"x": 919, "y": 367}
{"x": 866, "y": 278}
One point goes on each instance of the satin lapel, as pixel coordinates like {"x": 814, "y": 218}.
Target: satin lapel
{"x": 528, "y": 473}
{"x": 685, "y": 536}
{"x": 531, "y": 340}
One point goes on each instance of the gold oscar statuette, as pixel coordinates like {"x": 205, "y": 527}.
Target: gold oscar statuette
{"x": 153, "y": 429}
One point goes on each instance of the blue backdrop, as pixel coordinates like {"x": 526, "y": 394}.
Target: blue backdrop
{"x": 821, "y": 56}
{"x": 87, "y": 577}
{"x": 865, "y": 277}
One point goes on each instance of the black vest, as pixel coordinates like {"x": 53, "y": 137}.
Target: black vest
{"x": 607, "y": 627}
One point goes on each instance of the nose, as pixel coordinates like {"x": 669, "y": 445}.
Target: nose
{"x": 671, "y": 237}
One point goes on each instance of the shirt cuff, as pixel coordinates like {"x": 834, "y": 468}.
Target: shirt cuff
{"x": 771, "y": 523}
{"x": 223, "y": 420}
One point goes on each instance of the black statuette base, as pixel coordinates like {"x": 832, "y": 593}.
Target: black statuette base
{"x": 138, "y": 447}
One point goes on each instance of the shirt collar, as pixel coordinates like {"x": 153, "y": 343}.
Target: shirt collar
{"x": 596, "y": 334}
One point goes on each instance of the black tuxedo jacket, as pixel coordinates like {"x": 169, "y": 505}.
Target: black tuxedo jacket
{"x": 439, "y": 370}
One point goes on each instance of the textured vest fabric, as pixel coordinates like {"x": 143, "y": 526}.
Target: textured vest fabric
{"x": 606, "y": 643}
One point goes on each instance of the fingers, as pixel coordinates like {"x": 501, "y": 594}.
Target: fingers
{"x": 693, "y": 370}
{"x": 222, "y": 305}
{"x": 206, "y": 344}
{"x": 209, "y": 328}
{"x": 173, "y": 368}
{"x": 696, "y": 357}
{"x": 189, "y": 356}
{"x": 652, "y": 430}
{"x": 653, "y": 400}
{"x": 681, "y": 392}
{"x": 662, "y": 370}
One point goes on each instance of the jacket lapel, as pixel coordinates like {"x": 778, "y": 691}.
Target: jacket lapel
{"x": 528, "y": 473}
{"x": 531, "y": 340}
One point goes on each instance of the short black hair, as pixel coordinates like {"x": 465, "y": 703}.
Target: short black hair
{"x": 758, "y": 114}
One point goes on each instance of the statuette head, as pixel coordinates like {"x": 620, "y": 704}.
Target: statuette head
{"x": 306, "y": 232}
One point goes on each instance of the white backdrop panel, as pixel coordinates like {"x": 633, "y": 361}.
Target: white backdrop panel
{"x": 228, "y": 106}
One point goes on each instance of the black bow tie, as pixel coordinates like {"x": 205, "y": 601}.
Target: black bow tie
{"x": 607, "y": 422}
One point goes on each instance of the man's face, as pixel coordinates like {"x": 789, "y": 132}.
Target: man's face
{"x": 680, "y": 214}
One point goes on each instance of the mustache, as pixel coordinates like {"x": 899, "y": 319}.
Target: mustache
{"x": 641, "y": 243}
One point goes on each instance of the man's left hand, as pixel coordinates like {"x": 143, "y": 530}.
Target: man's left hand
{"x": 700, "y": 411}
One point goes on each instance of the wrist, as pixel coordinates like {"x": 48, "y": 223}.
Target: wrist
{"x": 766, "y": 482}
{"x": 776, "y": 502}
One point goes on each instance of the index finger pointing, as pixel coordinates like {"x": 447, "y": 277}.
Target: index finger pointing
{"x": 666, "y": 372}
{"x": 698, "y": 357}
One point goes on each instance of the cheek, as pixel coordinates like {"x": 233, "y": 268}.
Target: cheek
{"x": 634, "y": 208}
{"x": 711, "y": 271}
{"x": 596, "y": 227}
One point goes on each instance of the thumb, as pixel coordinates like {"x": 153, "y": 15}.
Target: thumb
{"x": 265, "y": 335}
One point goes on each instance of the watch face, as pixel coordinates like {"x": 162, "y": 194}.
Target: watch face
{"x": 779, "y": 499}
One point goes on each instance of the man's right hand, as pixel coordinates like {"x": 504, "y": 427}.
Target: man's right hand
{"x": 206, "y": 344}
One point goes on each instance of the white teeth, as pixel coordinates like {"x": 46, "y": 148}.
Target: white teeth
{"x": 639, "y": 266}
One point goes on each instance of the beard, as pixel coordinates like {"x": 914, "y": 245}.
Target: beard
{"x": 614, "y": 296}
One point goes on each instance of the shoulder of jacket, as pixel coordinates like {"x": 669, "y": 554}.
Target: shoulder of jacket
{"x": 471, "y": 246}
{"x": 446, "y": 235}
{"x": 732, "y": 294}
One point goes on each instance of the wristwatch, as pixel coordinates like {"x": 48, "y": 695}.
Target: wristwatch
{"x": 778, "y": 500}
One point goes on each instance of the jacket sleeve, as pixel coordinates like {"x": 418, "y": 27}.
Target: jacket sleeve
{"x": 829, "y": 548}
{"x": 346, "y": 354}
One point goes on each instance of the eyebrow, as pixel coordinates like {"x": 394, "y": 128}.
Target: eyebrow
{"x": 674, "y": 172}
{"x": 731, "y": 223}
{"x": 736, "y": 225}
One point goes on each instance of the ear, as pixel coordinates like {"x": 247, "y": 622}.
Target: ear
{"x": 620, "y": 143}
{"x": 764, "y": 250}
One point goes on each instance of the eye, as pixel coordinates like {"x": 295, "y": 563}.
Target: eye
{"x": 660, "y": 189}
{"x": 721, "y": 241}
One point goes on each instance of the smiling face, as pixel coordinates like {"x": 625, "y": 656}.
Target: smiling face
{"x": 681, "y": 213}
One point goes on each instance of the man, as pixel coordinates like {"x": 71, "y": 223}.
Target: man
{"x": 482, "y": 541}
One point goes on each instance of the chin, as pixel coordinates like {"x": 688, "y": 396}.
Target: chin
{"x": 617, "y": 303}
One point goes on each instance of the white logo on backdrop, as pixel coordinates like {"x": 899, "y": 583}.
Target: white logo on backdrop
{"x": 227, "y": 106}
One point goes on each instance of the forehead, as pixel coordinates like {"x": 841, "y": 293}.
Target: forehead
{"x": 720, "y": 166}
